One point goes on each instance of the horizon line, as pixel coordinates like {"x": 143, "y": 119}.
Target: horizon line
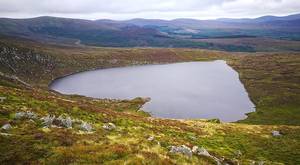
{"x": 148, "y": 18}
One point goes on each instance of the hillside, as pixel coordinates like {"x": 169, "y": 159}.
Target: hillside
{"x": 136, "y": 138}
{"x": 178, "y": 33}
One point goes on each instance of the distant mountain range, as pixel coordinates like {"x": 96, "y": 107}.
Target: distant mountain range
{"x": 152, "y": 32}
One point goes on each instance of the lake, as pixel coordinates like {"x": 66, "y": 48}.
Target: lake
{"x": 189, "y": 90}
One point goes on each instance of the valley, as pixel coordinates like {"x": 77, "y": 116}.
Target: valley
{"x": 27, "y": 68}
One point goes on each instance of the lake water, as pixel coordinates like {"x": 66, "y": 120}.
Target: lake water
{"x": 188, "y": 90}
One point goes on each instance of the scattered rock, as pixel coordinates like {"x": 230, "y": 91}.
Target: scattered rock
{"x": 48, "y": 120}
{"x": 203, "y": 152}
{"x": 63, "y": 122}
{"x": 109, "y": 126}
{"x": 25, "y": 115}
{"x": 200, "y": 151}
{"x": 19, "y": 115}
{"x": 182, "y": 149}
{"x": 6, "y": 127}
{"x": 151, "y": 138}
{"x": 276, "y": 133}
{"x": 86, "y": 127}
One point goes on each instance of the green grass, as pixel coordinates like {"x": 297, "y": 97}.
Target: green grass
{"x": 272, "y": 81}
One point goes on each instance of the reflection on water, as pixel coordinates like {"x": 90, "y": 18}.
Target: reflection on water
{"x": 183, "y": 90}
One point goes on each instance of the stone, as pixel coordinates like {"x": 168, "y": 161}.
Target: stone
{"x": 276, "y": 133}
{"x": 200, "y": 151}
{"x": 63, "y": 121}
{"x": 182, "y": 149}
{"x": 19, "y": 115}
{"x": 6, "y": 127}
{"x": 109, "y": 126}
{"x": 25, "y": 115}
{"x": 86, "y": 127}
{"x": 31, "y": 115}
{"x": 48, "y": 120}
{"x": 151, "y": 138}
{"x": 203, "y": 152}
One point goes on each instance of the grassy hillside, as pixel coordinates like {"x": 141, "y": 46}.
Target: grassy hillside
{"x": 272, "y": 81}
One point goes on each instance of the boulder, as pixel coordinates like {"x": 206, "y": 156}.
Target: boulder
{"x": 25, "y": 115}
{"x": 6, "y": 127}
{"x": 200, "y": 151}
{"x": 86, "y": 127}
{"x": 63, "y": 122}
{"x": 182, "y": 149}
{"x": 276, "y": 133}
{"x": 109, "y": 126}
{"x": 19, "y": 115}
{"x": 203, "y": 152}
{"x": 48, "y": 120}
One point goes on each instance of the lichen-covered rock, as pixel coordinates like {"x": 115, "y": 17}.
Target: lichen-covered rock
{"x": 6, "y": 127}
{"x": 48, "y": 120}
{"x": 86, "y": 127}
{"x": 109, "y": 126}
{"x": 182, "y": 149}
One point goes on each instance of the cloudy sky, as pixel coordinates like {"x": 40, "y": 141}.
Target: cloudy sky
{"x": 160, "y": 9}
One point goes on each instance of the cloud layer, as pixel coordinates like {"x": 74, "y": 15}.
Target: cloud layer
{"x": 166, "y": 9}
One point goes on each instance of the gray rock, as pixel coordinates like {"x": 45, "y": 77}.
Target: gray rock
{"x": 48, "y": 120}
{"x": 86, "y": 127}
{"x": 276, "y": 133}
{"x": 63, "y": 121}
{"x": 19, "y": 115}
{"x": 25, "y": 115}
{"x": 31, "y": 115}
{"x": 109, "y": 126}
{"x": 203, "y": 152}
{"x": 200, "y": 151}
{"x": 6, "y": 127}
{"x": 182, "y": 149}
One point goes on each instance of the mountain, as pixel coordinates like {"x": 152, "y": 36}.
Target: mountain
{"x": 262, "y": 19}
{"x": 152, "y": 32}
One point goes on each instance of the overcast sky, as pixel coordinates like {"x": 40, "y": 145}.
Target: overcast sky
{"x": 158, "y": 9}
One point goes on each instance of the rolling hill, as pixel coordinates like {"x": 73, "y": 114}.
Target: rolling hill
{"x": 158, "y": 33}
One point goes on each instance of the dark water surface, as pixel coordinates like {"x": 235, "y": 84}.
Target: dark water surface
{"x": 182, "y": 90}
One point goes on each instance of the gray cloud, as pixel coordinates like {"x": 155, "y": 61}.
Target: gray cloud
{"x": 166, "y": 9}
